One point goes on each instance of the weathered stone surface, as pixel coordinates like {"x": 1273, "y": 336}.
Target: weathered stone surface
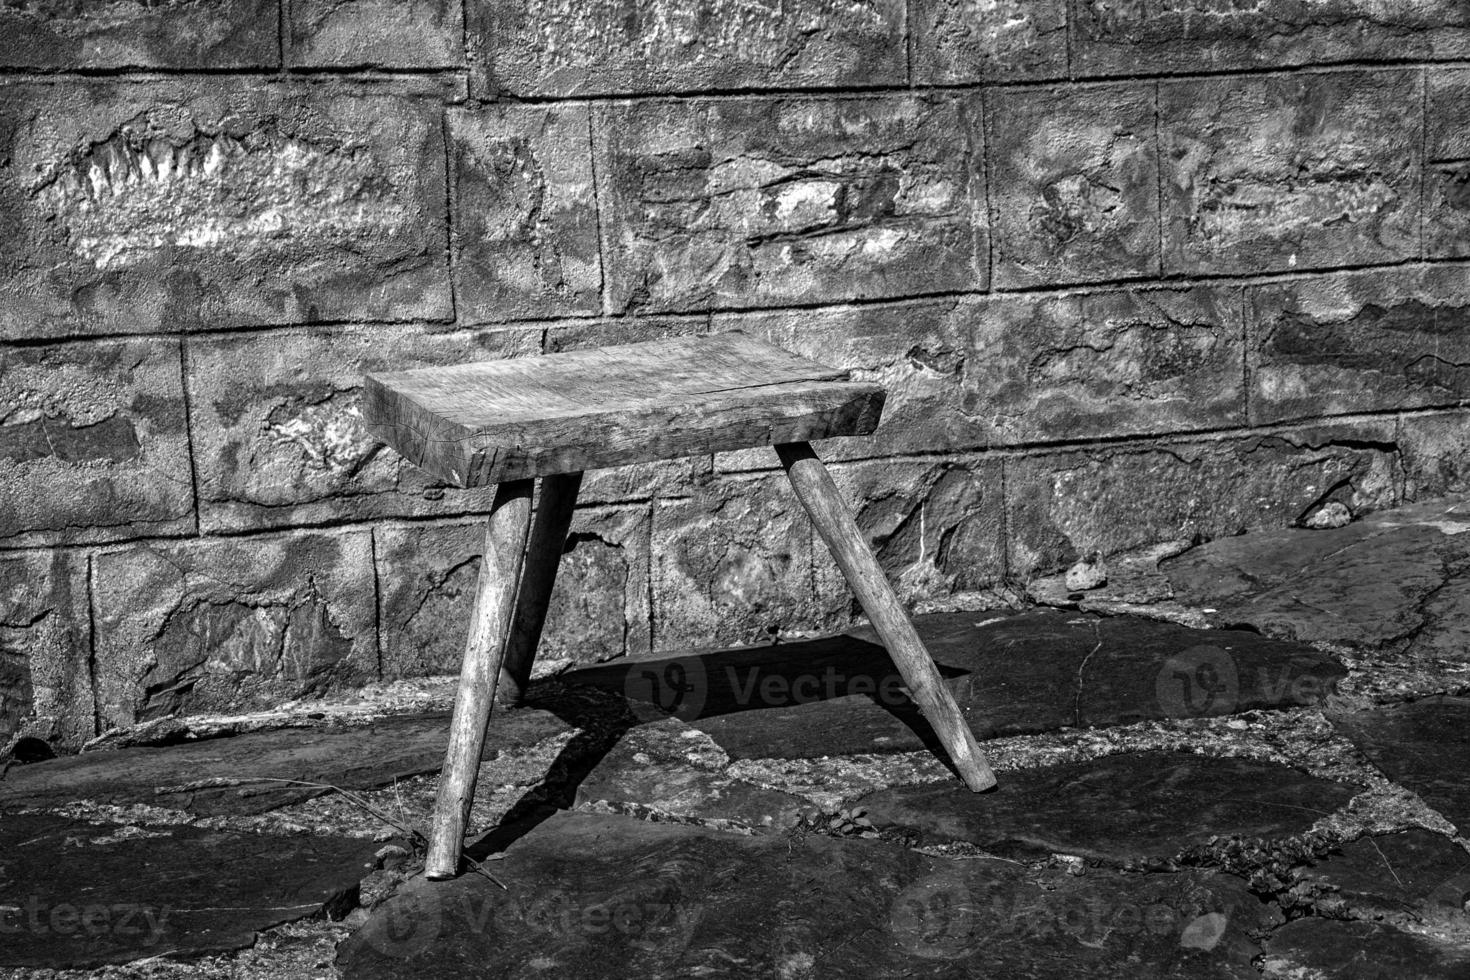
{"x": 974, "y": 40}
{"x": 76, "y": 895}
{"x": 1393, "y": 581}
{"x": 1423, "y": 746}
{"x": 1410, "y": 878}
{"x": 1131, "y": 810}
{"x": 45, "y": 649}
{"x": 171, "y": 34}
{"x": 1316, "y": 947}
{"x": 1065, "y": 506}
{"x": 1074, "y": 184}
{"x": 1347, "y": 343}
{"x": 278, "y": 434}
{"x": 731, "y": 564}
{"x": 651, "y": 771}
{"x": 219, "y": 202}
{"x": 1011, "y": 675}
{"x": 747, "y": 202}
{"x": 1436, "y": 454}
{"x": 1025, "y": 368}
{"x": 220, "y": 625}
{"x": 231, "y": 776}
{"x": 934, "y": 526}
{"x": 1447, "y": 164}
{"x": 525, "y": 213}
{"x": 375, "y": 33}
{"x": 1148, "y": 36}
{"x": 1110, "y": 363}
{"x": 575, "y": 47}
{"x": 93, "y": 444}
{"x": 1290, "y": 171}
{"x": 427, "y": 575}
{"x": 598, "y": 896}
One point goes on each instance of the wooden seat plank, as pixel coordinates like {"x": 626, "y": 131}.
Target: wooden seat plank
{"x": 484, "y": 423}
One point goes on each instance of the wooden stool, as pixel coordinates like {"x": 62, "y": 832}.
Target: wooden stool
{"x": 507, "y": 422}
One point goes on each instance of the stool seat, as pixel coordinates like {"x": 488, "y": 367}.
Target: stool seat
{"x": 490, "y": 422}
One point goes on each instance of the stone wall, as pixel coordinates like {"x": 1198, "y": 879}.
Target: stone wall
{"x": 1133, "y": 271}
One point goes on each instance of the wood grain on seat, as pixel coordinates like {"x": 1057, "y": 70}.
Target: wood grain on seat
{"x": 489, "y": 422}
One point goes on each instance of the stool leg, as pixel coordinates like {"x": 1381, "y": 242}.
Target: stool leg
{"x": 822, "y": 500}
{"x": 505, "y": 543}
{"x": 543, "y": 555}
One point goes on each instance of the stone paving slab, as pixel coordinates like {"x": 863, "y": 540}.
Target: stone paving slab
{"x": 1128, "y": 810}
{"x": 1032, "y": 672}
{"x": 1423, "y": 745}
{"x": 1314, "y": 947}
{"x": 1414, "y": 877}
{"x": 601, "y": 896}
{"x": 180, "y": 776}
{"x": 79, "y": 895}
{"x": 1389, "y": 581}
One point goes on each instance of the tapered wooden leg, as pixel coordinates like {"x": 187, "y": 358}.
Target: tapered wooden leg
{"x": 505, "y": 546}
{"x": 543, "y": 555}
{"x": 819, "y": 495}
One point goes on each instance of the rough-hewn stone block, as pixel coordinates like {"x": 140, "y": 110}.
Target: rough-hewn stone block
{"x": 732, "y": 564}
{"x": 1064, "y": 506}
{"x": 935, "y": 527}
{"x": 138, "y": 34}
{"x": 957, "y": 41}
{"x": 1290, "y": 171}
{"x": 746, "y": 202}
{"x": 45, "y": 648}
{"x": 173, "y": 204}
{"x": 228, "y": 624}
{"x": 599, "y": 606}
{"x": 1354, "y": 342}
{"x": 376, "y": 33}
{"x": 601, "y": 47}
{"x": 93, "y": 444}
{"x": 278, "y": 433}
{"x": 1436, "y": 454}
{"x": 1024, "y": 368}
{"x": 1447, "y": 164}
{"x": 525, "y": 213}
{"x": 1074, "y": 184}
{"x": 1128, "y": 37}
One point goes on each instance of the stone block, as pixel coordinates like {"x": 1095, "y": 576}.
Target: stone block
{"x": 1447, "y": 165}
{"x": 711, "y": 204}
{"x": 184, "y": 203}
{"x": 960, "y": 41}
{"x": 732, "y": 564}
{"x": 935, "y": 527}
{"x": 1074, "y": 184}
{"x": 1281, "y": 172}
{"x": 427, "y": 575}
{"x": 605, "y": 47}
{"x": 525, "y": 213}
{"x": 45, "y": 648}
{"x": 1436, "y": 454}
{"x": 231, "y": 624}
{"x": 1063, "y": 506}
{"x": 1129, "y": 37}
{"x": 375, "y": 34}
{"x": 93, "y": 444}
{"x": 66, "y": 34}
{"x": 1356, "y": 342}
{"x": 277, "y": 425}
